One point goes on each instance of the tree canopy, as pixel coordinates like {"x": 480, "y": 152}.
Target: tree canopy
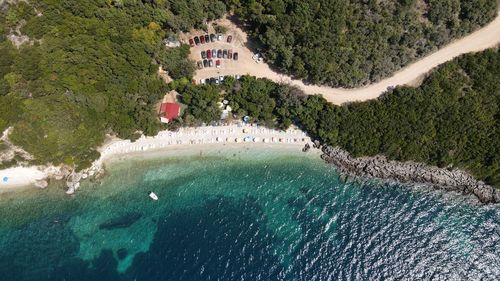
{"x": 352, "y": 43}
{"x": 90, "y": 69}
{"x": 453, "y": 118}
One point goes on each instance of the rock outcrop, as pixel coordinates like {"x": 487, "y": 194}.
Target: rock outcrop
{"x": 69, "y": 176}
{"x": 410, "y": 172}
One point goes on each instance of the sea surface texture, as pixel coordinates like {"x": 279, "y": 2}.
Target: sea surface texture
{"x": 244, "y": 215}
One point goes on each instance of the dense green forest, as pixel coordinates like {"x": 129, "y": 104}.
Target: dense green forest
{"x": 351, "y": 43}
{"x": 453, "y": 118}
{"x": 90, "y": 69}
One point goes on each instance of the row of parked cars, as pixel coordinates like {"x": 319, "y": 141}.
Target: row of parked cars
{"x": 221, "y": 54}
{"x": 208, "y": 63}
{"x": 216, "y": 80}
{"x": 208, "y": 38}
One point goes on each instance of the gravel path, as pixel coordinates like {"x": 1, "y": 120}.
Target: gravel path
{"x": 484, "y": 38}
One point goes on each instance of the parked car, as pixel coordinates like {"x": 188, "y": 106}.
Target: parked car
{"x": 220, "y": 37}
{"x": 217, "y": 63}
{"x": 191, "y": 42}
{"x": 200, "y": 64}
{"x": 212, "y": 80}
{"x": 238, "y": 77}
{"x": 214, "y": 53}
{"x": 216, "y": 81}
{"x": 229, "y": 39}
{"x": 197, "y": 40}
{"x": 205, "y": 63}
{"x": 224, "y": 54}
{"x": 207, "y": 38}
{"x": 213, "y": 37}
{"x": 209, "y": 54}
{"x": 211, "y": 63}
{"x": 202, "y": 39}
{"x": 221, "y": 78}
{"x": 235, "y": 56}
{"x": 203, "y": 55}
{"x": 202, "y": 81}
{"x": 219, "y": 53}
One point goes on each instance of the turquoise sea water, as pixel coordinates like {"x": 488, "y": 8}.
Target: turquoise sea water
{"x": 244, "y": 215}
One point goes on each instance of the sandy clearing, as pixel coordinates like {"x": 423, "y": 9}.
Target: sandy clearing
{"x": 484, "y": 38}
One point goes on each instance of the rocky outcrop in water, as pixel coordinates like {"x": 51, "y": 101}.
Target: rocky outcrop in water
{"x": 410, "y": 172}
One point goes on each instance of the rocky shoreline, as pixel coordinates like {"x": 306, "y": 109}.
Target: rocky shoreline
{"x": 379, "y": 167}
{"x": 69, "y": 176}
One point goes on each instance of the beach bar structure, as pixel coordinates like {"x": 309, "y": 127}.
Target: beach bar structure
{"x": 169, "y": 111}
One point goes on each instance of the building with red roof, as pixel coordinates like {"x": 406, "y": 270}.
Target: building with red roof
{"x": 169, "y": 111}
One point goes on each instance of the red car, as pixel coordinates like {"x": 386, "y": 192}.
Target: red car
{"x": 217, "y": 63}
{"x": 191, "y": 42}
{"x": 202, "y": 39}
{"x": 230, "y": 54}
{"x": 209, "y": 54}
{"x": 229, "y": 39}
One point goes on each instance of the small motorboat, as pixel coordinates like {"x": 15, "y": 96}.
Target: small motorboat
{"x": 153, "y": 196}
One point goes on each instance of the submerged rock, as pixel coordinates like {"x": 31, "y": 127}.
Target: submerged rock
{"x": 41, "y": 183}
{"x": 410, "y": 172}
{"x": 122, "y": 253}
{"x": 121, "y": 222}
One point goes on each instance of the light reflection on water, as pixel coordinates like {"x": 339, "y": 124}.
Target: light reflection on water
{"x": 252, "y": 215}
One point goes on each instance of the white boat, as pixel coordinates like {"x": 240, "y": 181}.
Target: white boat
{"x": 153, "y": 196}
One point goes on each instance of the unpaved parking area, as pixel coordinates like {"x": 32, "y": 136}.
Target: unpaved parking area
{"x": 484, "y": 38}
{"x": 244, "y": 65}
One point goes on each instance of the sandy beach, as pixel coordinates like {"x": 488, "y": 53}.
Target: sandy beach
{"x": 486, "y": 37}
{"x": 233, "y": 134}
{"x": 241, "y": 134}
{"x": 20, "y": 176}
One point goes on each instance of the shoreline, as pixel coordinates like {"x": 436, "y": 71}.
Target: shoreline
{"x": 209, "y": 139}
{"x": 204, "y": 137}
{"x": 409, "y": 172}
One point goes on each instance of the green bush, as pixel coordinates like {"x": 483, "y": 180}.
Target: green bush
{"x": 352, "y": 43}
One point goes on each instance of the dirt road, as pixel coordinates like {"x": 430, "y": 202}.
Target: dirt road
{"x": 484, "y": 38}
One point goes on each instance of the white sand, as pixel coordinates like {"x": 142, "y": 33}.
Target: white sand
{"x": 484, "y": 38}
{"x": 185, "y": 138}
{"x": 206, "y": 136}
{"x": 20, "y": 176}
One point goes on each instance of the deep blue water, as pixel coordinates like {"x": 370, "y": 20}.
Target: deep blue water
{"x": 244, "y": 216}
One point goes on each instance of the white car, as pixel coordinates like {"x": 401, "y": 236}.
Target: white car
{"x": 221, "y": 78}
{"x": 220, "y": 37}
{"x": 202, "y": 81}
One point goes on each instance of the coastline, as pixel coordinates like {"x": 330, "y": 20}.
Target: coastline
{"x": 199, "y": 138}
{"x": 216, "y": 139}
{"x": 379, "y": 167}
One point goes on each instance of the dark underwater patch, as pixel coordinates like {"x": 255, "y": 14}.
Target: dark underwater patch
{"x": 123, "y": 221}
